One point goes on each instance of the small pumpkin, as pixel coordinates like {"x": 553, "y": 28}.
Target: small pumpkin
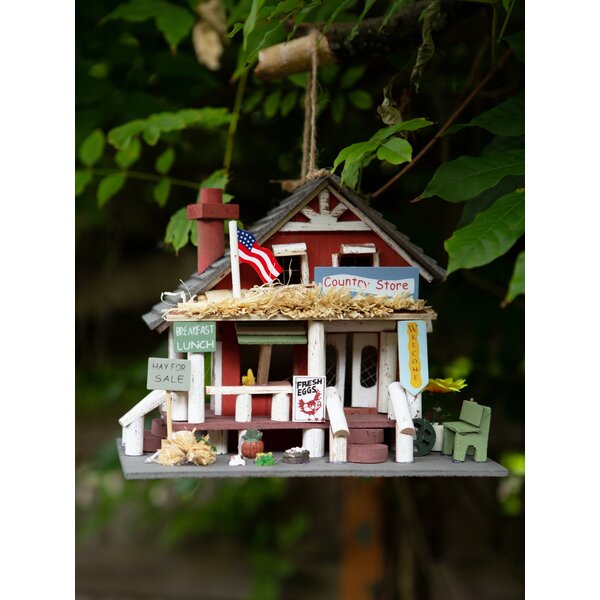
{"x": 252, "y": 444}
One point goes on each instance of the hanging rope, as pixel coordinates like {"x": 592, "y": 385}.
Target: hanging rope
{"x": 309, "y": 140}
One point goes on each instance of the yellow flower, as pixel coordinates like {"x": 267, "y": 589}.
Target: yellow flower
{"x": 442, "y": 386}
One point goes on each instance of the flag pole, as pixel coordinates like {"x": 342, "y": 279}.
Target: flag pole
{"x": 235, "y": 259}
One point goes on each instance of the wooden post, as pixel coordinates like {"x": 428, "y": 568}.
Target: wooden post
{"x": 264, "y": 363}
{"x": 169, "y": 417}
{"x": 243, "y": 408}
{"x": 338, "y": 427}
{"x": 219, "y": 440}
{"x": 153, "y": 400}
{"x": 314, "y": 439}
{"x": 179, "y": 408}
{"x": 405, "y": 430}
{"x": 196, "y": 391}
{"x": 388, "y": 365}
{"x": 217, "y": 378}
{"x": 415, "y": 405}
{"x": 235, "y": 260}
{"x": 134, "y": 440}
{"x": 280, "y": 407}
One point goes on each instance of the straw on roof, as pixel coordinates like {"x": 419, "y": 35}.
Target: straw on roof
{"x": 298, "y": 302}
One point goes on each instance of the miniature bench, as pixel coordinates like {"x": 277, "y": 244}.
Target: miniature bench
{"x": 471, "y": 430}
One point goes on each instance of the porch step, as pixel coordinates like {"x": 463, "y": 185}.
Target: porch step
{"x": 367, "y": 453}
{"x": 365, "y": 436}
{"x": 151, "y": 442}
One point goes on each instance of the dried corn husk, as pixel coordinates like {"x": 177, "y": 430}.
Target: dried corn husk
{"x": 170, "y": 455}
{"x": 201, "y": 454}
{"x": 300, "y": 302}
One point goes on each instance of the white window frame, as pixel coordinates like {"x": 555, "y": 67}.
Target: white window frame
{"x": 297, "y": 249}
{"x": 360, "y": 249}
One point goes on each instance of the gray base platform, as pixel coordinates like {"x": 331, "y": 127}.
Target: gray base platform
{"x": 433, "y": 465}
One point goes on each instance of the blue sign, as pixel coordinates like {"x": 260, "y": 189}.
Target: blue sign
{"x": 373, "y": 281}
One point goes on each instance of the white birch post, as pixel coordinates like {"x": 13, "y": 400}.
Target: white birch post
{"x": 415, "y": 405}
{"x": 314, "y": 439}
{"x": 179, "y": 400}
{"x": 153, "y": 400}
{"x": 235, "y": 260}
{"x": 219, "y": 440}
{"x": 243, "y": 408}
{"x": 388, "y": 364}
{"x": 241, "y": 434}
{"x": 216, "y": 400}
{"x": 338, "y": 428}
{"x": 134, "y": 438}
{"x": 405, "y": 430}
{"x": 280, "y": 407}
{"x": 196, "y": 391}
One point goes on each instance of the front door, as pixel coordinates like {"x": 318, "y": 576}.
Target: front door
{"x": 352, "y": 366}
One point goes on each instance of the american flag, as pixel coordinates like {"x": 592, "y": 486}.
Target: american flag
{"x": 260, "y": 258}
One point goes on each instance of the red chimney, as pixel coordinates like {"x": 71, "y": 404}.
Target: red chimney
{"x": 210, "y": 213}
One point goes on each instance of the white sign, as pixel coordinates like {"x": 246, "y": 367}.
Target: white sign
{"x": 370, "y": 281}
{"x": 309, "y": 398}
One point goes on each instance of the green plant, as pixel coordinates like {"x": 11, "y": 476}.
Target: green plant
{"x": 264, "y": 459}
{"x": 252, "y": 435}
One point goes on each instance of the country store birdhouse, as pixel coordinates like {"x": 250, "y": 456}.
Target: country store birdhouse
{"x": 308, "y": 328}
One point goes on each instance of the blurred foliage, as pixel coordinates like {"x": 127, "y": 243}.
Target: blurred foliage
{"x": 153, "y": 123}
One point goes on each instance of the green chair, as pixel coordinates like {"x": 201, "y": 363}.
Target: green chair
{"x": 470, "y": 434}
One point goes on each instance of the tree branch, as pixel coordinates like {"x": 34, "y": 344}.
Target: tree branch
{"x": 445, "y": 126}
{"x": 336, "y": 45}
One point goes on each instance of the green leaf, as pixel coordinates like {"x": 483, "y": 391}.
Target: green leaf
{"x": 361, "y": 99}
{"x": 393, "y": 8}
{"x": 299, "y": 79}
{"x": 507, "y": 119}
{"x": 82, "y": 179}
{"x": 517, "y": 42}
{"x": 355, "y": 152}
{"x": 288, "y": 102}
{"x": 236, "y": 28}
{"x": 466, "y": 177}
{"x": 338, "y": 106}
{"x": 165, "y": 161}
{"x": 367, "y": 7}
{"x": 430, "y": 17}
{"x": 174, "y": 22}
{"x": 179, "y": 229}
{"x": 207, "y": 117}
{"x": 108, "y": 187}
{"x": 151, "y": 134}
{"x": 516, "y": 287}
{"x": 350, "y": 173}
{"x": 396, "y": 151}
{"x": 491, "y": 234}
{"x": 217, "y": 179}
{"x": 92, "y": 148}
{"x": 272, "y": 104}
{"x": 161, "y": 191}
{"x": 129, "y": 155}
{"x": 250, "y": 23}
{"x": 253, "y": 100}
{"x": 411, "y": 125}
{"x": 351, "y": 76}
{"x": 166, "y": 121}
{"x": 120, "y": 137}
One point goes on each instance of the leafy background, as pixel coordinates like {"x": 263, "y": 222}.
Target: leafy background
{"x": 166, "y": 102}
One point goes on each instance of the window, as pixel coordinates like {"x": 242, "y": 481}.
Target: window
{"x": 368, "y": 366}
{"x": 291, "y": 270}
{"x": 331, "y": 363}
{"x": 356, "y": 255}
{"x": 293, "y": 259}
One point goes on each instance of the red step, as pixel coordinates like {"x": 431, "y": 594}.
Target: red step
{"x": 367, "y": 453}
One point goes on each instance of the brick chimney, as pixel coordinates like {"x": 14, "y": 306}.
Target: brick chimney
{"x": 210, "y": 214}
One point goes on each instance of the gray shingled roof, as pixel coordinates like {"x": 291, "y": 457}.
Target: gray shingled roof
{"x": 270, "y": 223}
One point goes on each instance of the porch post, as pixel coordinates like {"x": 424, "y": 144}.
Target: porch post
{"x": 314, "y": 439}
{"x": 179, "y": 400}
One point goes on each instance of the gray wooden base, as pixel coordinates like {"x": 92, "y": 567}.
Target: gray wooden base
{"x": 433, "y": 465}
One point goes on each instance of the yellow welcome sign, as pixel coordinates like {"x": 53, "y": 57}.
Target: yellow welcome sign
{"x": 412, "y": 355}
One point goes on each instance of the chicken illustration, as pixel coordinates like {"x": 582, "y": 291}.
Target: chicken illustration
{"x": 312, "y": 407}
